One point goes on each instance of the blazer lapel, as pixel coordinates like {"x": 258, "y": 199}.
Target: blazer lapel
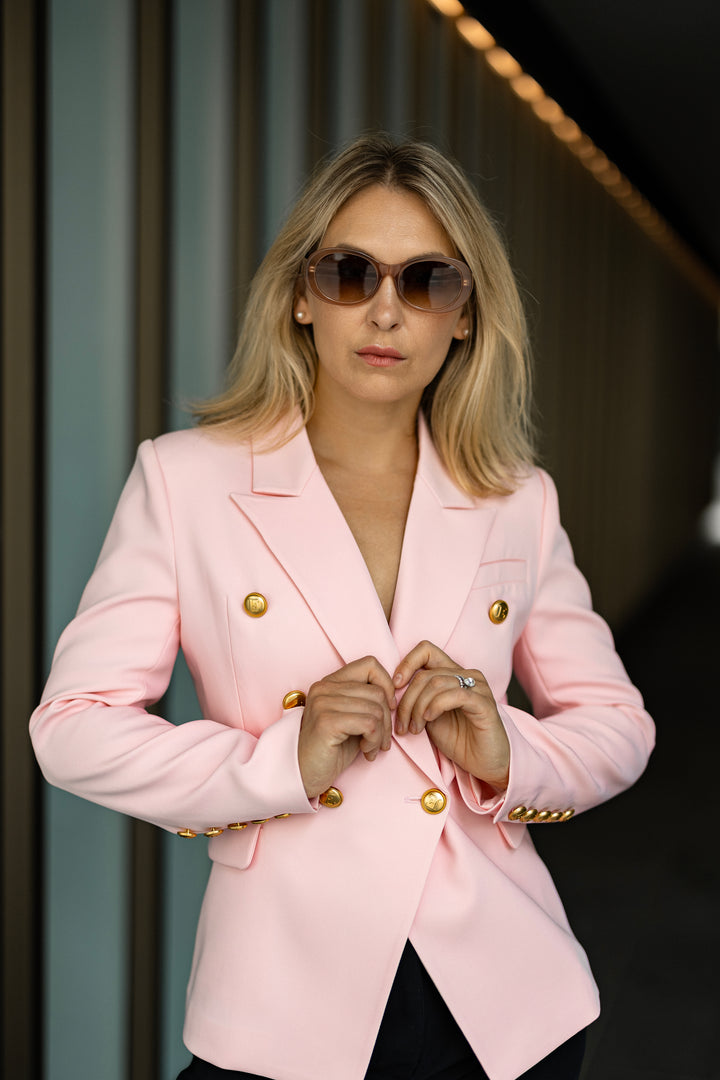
{"x": 293, "y": 509}
{"x": 445, "y": 537}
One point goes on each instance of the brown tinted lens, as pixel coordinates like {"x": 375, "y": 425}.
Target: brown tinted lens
{"x": 345, "y": 278}
{"x": 430, "y": 284}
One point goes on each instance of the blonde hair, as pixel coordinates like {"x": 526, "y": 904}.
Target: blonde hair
{"x": 477, "y": 407}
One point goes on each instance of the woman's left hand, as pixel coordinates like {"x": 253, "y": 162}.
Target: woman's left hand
{"x": 462, "y": 722}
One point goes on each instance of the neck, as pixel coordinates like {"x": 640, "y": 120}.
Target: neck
{"x": 369, "y": 439}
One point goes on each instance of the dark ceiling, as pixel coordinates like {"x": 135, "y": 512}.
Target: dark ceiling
{"x": 642, "y": 79}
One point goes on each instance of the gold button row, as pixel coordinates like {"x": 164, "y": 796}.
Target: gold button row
{"x": 256, "y": 605}
{"x": 432, "y": 801}
{"x": 189, "y": 834}
{"x": 522, "y": 813}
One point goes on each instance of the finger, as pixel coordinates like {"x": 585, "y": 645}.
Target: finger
{"x": 367, "y": 670}
{"x": 424, "y": 655}
{"x": 425, "y": 683}
{"x": 439, "y": 693}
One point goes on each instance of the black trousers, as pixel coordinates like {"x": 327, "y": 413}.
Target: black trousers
{"x": 419, "y": 1040}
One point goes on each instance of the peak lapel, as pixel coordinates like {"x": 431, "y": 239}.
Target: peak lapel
{"x": 445, "y": 536}
{"x": 293, "y": 509}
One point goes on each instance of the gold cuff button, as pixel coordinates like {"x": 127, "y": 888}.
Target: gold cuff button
{"x": 293, "y": 699}
{"x": 255, "y": 604}
{"x": 214, "y": 831}
{"x": 518, "y": 812}
{"x": 529, "y": 815}
{"x": 187, "y": 834}
{"x": 332, "y": 797}
{"x": 237, "y": 825}
{"x": 543, "y": 816}
{"x": 498, "y": 611}
{"x": 567, "y": 814}
{"x": 279, "y": 817}
{"x": 433, "y": 801}
{"x": 259, "y": 820}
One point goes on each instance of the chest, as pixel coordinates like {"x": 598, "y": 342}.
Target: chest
{"x": 375, "y": 509}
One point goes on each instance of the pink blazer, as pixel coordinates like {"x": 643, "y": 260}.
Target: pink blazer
{"x": 308, "y": 906}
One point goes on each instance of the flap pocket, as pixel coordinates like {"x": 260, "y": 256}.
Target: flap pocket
{"x": 235, "y": 848}
{"x": 500, "y": 572}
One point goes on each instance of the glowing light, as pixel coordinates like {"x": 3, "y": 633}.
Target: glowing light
{"x": 598, "y": 163}
{"x": 474, "y": 33}
{"x": 585, "y": 148}
{"x": 610, "y": 176}
{"x": 503, "y": 63}
{"x": 448, "y": 7}
{"x": 567, "y": 130}
{"x": 620, "y": 188}
{"x": 548, "y": 110}
{"x": 527, "y": 88}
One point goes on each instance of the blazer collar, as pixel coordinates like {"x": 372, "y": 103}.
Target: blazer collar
{"x": 293, "y": 509}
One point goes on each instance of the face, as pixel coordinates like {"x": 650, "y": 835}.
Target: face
{"x": 382, "y": 349}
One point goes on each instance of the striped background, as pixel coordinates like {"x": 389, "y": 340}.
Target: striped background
{"x": 150, "y": 148}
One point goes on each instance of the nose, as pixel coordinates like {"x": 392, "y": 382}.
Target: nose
{"x": 385, "y": 309}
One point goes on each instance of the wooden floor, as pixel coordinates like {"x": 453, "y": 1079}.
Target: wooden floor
{"x": 640, "y": 876}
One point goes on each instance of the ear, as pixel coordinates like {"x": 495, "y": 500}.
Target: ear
{"x": 301, "y": 310}
{"x": 462, "y": 330}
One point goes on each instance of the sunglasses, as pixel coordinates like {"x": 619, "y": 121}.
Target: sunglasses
{"x": 341, "y": 276}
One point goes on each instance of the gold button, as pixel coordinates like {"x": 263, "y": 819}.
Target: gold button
{"x": 214, "y": 831}
{"x": 543, "y": 816}
{"x": 332, "y": 797}
{"x": 293, "y": 699}
{"x": 278, "y": 817}
{"x": 237, "y": 825}
{"x": 188, "y": 834}
{"x": 555, "y": 816}
{"x": 433, "y": 801}
{"x": 529, "y": 815}
{"x": 498, "y": 611}
{"x": 567, "y": 814}
{"x": 259, "y": 820}
{"x": 517, "y": 813}
{"x": 255, "y": 604}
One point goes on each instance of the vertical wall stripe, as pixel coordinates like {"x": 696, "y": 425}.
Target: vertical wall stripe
{"x": 152, "y": 20}
{"x": 20, "y": 385}
{"x": 244, "y": 219}
{"x": 284, "y": 162}
{"x": 89, "y": 446}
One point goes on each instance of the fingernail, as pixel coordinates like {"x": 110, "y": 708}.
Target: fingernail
{"x": 413, "y": 727}
{"x": 397, "y": 677}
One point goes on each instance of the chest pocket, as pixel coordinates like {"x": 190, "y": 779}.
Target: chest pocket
{"x": 492, "y": 619}
{"x": 500, "y": 572}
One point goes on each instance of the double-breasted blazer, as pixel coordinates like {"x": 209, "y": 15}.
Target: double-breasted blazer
{"x": 308, "y": 906}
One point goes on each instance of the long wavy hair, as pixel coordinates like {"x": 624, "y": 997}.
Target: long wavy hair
{"x": 478, "y": 405}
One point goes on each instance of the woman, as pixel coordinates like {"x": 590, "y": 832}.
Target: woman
{"x": 354, "y": 552}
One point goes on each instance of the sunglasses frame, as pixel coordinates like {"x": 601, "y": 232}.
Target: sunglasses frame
{"x": 393, "y": 270}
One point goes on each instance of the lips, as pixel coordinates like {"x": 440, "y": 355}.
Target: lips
{"x": 380, "y": 357}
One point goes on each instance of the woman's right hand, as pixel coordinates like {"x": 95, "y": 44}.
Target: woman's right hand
{"x": 346, "y": 713}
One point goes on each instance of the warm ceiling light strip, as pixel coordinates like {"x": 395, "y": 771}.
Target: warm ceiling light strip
{"x": 452, "y": 8}
{"x": 474, "y": 33}
{"x": 567, "y": 131}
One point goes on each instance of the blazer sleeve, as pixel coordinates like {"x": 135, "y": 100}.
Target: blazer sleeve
{"x": 92, "y": 732}
{"x": 590, "y": 737}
